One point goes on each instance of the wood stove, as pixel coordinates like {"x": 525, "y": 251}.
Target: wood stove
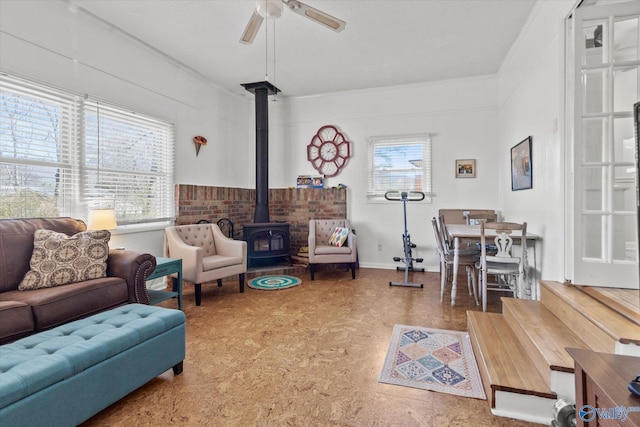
{"x": 266, "y": 242}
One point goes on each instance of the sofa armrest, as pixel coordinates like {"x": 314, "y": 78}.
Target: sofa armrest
{"x": 134, "y": 267}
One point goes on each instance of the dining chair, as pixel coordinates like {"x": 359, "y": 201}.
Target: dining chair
{"x": 477, "y": 218}
{"x": 468, "y": 248}
{"x": 468, "y": 259}
{"x": 508, "y": 269}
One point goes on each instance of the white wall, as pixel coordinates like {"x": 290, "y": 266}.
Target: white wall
{"x": 531, "y": 98}
{"x": 460, "y": 114}
{"x": 479, "y": 118}
{"x": 47, "y": 42}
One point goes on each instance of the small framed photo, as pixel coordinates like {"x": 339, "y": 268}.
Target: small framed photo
{"x": 303, "y": 181}
{"x": 466, "y": 168}
{"x": 521, "y": 165}
{"x": 317, "y": 181}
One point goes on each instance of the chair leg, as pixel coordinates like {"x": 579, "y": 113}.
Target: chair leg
{"x": 241, "y": 282}
{"x": 483, "y": 283}
{"x": 443, "y": 279}
{"x": 474, "y": 284}
{"x": 198, "y": 293}
{"x": 353, "y": 270}
{"x": 312, "y": 271}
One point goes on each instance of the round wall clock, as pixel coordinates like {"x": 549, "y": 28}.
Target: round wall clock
{"x": 328, "y": 151}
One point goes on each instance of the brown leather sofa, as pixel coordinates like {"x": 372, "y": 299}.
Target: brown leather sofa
{"x": 24, "y": 312}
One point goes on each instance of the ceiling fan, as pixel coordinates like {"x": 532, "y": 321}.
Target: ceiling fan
{"x": 273, "y": 9}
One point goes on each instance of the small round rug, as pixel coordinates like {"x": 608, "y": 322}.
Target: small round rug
{"x": 270, "y": 283}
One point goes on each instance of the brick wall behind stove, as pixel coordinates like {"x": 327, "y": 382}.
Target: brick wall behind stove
{"x": 293, "y": 205}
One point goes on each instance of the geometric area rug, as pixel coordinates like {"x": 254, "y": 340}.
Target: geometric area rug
{"x": 271, "y": 283}
{"x": 432, "y": 359}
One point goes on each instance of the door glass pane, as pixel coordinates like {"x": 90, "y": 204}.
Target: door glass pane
{"x": 624, "y": 189}
{"x": 592, "y": 232}
{"x": 594, "y": 132}
{"x": 594, "y": 34}
{"x": 625, "y": 40}
{"x": 595, "y": 92}
{"x": 593, "y": 177}
{"x": 625, "y": 88}
{"x": 623, "y": 140}
{"x": 625, "y": 238}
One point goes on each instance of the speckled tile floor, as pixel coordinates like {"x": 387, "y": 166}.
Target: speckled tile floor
{"x": 304, "y": 356}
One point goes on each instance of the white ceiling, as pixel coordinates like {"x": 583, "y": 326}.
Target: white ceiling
{"x": 385, "y": 43}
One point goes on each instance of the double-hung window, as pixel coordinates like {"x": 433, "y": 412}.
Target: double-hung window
{"x": 62, "y": 154}
{"x": 399, "y": 163}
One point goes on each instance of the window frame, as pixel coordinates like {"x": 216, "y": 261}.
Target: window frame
{"x": 377, "y": 196}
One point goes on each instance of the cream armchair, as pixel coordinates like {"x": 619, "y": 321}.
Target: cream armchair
{"x": 206, "y": 253}
{"x": 321, "y": 252}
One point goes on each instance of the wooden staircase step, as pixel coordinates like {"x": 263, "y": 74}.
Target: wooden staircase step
{"x": 503, "y": 362}
{"x": 542, "y": 334}
{"x": 599, "y": 325}
{"x": 622, "y": 301}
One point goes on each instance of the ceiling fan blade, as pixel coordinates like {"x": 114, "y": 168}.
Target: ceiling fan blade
{"x": 252, "y": 28}
{"x": 316, "y": 15}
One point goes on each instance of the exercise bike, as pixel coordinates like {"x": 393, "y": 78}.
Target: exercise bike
{"x": 408, "y": 260}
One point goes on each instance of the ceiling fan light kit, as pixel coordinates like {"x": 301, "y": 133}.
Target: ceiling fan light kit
{"x": 252, "y": 28}
{"x": 273, "y": 9}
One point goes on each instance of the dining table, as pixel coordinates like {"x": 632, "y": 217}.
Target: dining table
{"x": 460, "y": 233}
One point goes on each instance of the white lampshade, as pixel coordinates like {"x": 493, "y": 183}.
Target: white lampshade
{"x": 102, "y": 219}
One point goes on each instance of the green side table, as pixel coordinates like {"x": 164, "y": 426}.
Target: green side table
{"x": 165, "y": 267}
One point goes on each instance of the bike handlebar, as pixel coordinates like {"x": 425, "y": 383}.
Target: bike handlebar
{"x": 409, "y": 196}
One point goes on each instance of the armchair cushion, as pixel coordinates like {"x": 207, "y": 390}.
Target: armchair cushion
{"x": 332, "y": 250}
{"x": 219, "y": 261}
{"x": 200, "y": 236}
{"x": 339, "y": 236}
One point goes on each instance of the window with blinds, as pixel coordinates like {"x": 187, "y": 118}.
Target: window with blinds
{"x": 62, "y": 154}
{"x": 399, "y": 163}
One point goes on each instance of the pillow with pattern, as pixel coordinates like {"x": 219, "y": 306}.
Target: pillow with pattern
{"x": 339, "y": 236}
{"x": 58, "y": 259}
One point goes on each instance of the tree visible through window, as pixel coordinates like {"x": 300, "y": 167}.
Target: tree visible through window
{"x": 399, "y": 163}
{"x": 61, "y": 154}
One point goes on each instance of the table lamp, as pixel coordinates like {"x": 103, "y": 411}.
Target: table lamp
{"x": 102, "y": 219}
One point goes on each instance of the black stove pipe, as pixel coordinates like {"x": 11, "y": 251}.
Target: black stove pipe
{"x": 262, "y": 90}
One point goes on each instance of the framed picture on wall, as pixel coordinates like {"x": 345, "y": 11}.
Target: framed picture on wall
{"x": 521, "y": 168}
{"x": 465, "y": 168}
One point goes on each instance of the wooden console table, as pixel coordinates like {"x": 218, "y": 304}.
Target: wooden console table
{"x": 601, "y": 382}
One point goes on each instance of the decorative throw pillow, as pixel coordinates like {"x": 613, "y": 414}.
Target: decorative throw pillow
{"x": 339, "y": 236}
{"x": 58, "y": 259}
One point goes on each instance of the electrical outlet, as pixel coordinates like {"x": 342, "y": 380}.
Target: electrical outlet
{"x": 379, "y": 247}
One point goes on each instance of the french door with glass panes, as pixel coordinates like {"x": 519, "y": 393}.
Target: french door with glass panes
{"x": 606, "y": 83}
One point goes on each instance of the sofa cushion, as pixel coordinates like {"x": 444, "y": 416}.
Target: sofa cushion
{"x": 54, "y": 306}
{"x": 58, "y": 259}
{"x": 16, "y": 244}
{"x": 17, "y": 320}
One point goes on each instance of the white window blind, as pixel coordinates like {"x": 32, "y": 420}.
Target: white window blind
{"x": 399, "y": 163}
{"x": 58, "y": 159}
{"x": 129, "y": 161}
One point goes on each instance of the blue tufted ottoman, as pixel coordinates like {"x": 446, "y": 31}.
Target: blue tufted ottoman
{"x": 63, "y": 376}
